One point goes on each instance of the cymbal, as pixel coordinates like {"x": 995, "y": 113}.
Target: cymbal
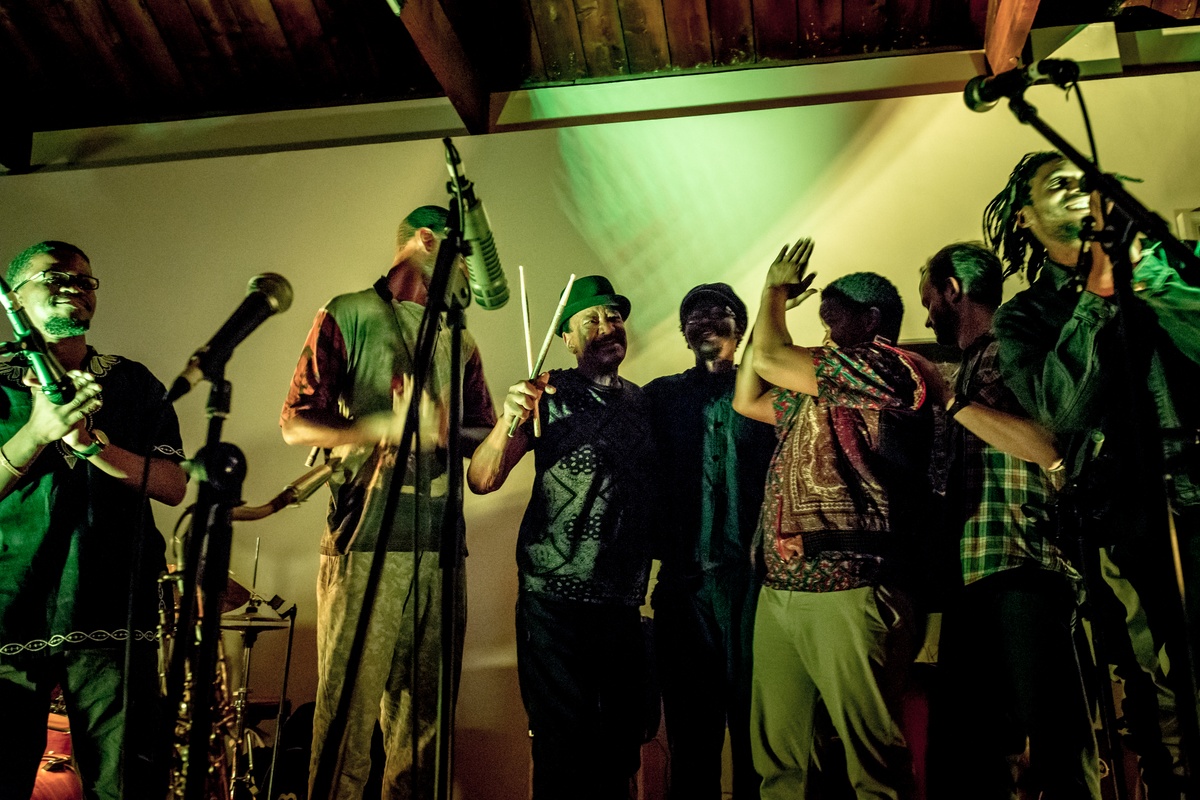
{"x": 235, "y": 594}
{"x": 242, "y": 619}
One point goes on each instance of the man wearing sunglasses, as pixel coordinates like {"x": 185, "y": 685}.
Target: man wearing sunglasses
{"x": 70, "y": 504}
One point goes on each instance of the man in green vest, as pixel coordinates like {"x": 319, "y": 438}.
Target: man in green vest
{"x": 349, "y": 394}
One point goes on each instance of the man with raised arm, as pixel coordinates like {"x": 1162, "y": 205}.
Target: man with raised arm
{"x": 583, "y": 552}
{"x": 846, "y": 498}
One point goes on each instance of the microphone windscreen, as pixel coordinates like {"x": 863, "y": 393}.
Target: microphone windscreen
{"x": 275, "y": 288}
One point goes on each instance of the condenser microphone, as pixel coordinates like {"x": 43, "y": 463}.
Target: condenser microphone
{"x": 984, "y": 91}
{"x": 268, "y": 294}
{"x": 55, "y": 383}
{"x": 484, "y": 273}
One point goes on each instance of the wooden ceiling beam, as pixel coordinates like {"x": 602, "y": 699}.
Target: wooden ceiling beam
{"x": 1008, "y": 26}
{"x": 442, "y": 48}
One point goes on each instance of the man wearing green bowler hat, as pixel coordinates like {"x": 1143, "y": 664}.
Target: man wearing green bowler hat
{"x": 583, "y": 552}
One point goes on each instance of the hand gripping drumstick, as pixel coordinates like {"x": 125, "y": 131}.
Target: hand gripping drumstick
{"x": 537, "y": 367}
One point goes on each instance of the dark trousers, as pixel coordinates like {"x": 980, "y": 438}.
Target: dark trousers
{"x": 703, "y": 636}
{"x": 583, "y": 678}
{"x": 1010, "y": 671}
{"x": 91, "y": 682}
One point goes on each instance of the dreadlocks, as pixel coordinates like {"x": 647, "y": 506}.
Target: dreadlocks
{"x": 1016, "y": 246}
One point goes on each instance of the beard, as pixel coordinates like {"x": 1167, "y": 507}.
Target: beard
{"x": 65, "y": 327}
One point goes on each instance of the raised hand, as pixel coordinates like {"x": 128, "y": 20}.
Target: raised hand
{"x": 790, "y": 271}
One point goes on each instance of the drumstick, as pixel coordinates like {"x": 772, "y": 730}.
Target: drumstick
{"x": 537, "y": 423}
{"x": 537, "y": 367}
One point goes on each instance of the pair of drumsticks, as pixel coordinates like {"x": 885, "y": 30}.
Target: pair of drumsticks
{"x": 535, "y": 369}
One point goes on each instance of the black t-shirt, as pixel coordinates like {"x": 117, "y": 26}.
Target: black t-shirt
{"x": 67, "y": 529}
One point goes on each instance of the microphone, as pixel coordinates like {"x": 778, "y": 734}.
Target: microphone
{"x": 267, "y": 294}
{"x": 484, "y": 273}
{"x": 984, "y": 91}
{"x": 55, "y": 383}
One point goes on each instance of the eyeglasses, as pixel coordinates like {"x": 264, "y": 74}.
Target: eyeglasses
{"x": 60, "y": 279}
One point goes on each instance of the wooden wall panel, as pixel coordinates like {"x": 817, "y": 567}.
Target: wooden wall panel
{"x": 820, "y": 27}
{"x": 776, "y": 29}
{"x": 732, "y": 25}
{"x": 600, "y": 33}
{"x": 645, "y": 29}
{"x": 687, "y": 33}
{"x": 558, "y": 33}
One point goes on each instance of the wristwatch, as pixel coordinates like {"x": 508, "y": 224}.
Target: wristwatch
{"x": 960, "y": 402}
{"x": 99, "y": 442}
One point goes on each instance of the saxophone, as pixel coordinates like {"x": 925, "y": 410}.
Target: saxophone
{"x": 222, "y": 739}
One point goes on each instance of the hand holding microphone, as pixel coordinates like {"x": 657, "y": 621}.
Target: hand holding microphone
{"x": 51, "y": 377}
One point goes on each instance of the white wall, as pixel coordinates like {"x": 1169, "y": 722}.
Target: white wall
{"x": 657, "y": 206}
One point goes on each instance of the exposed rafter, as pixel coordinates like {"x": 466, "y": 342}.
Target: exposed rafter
{"x": 442, "y": 48}
{"x": 1179, "y": 9}
{"x": 1008, "y": 26}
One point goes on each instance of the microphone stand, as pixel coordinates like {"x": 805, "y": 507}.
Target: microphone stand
{"x": 1122, "y": 224}
{"x": 206, "y": 570}
{"x": 447, "y": 294}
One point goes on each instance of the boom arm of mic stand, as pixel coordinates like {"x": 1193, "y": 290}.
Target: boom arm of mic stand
{"x": 293, "y": 494}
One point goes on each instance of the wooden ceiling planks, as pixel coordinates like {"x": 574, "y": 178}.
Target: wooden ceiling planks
{"x": 602, "y": 37}
{"x": 820, "y": 31}
{"x": 558, "y": 36}
{"x": 145, "y": 41}
{"x": 776, "y": 30}
{"x": 1009, "y": 23}
{"x": 731, "y": 23}
{"x": 688, "y": 40}
{"x": 864, "y": 26}
{"x": 645, "y": 29}
{"x": 301, "y": 25}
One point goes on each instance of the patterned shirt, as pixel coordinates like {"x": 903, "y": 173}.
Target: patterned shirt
{"x": 852, "y": 466}
{"x": 585, "y": 536}
{"x": 1005, "y": 503}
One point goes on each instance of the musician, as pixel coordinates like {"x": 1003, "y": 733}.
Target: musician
{"x": 70, "y": 506}
{"x": 1007, "y": 649}
{"x": 583, "y": 552}
{"x": 348, "y": 394}
{"x": 704, "y": 598}
{"x": 845, "y": 500}
{"x": 1062, "y": 353}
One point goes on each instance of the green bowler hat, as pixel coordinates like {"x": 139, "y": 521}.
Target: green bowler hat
{"x": 588, "y": 291}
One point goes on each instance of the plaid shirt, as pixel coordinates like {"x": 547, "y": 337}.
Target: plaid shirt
{"x": 1006, "y": 502}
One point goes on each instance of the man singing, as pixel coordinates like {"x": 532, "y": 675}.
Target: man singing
{"x": 70, "y": 506}
{"x": 1063, "y": 352}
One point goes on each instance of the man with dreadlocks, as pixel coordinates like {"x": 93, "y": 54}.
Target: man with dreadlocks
{"x": 1062, "y": 352}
